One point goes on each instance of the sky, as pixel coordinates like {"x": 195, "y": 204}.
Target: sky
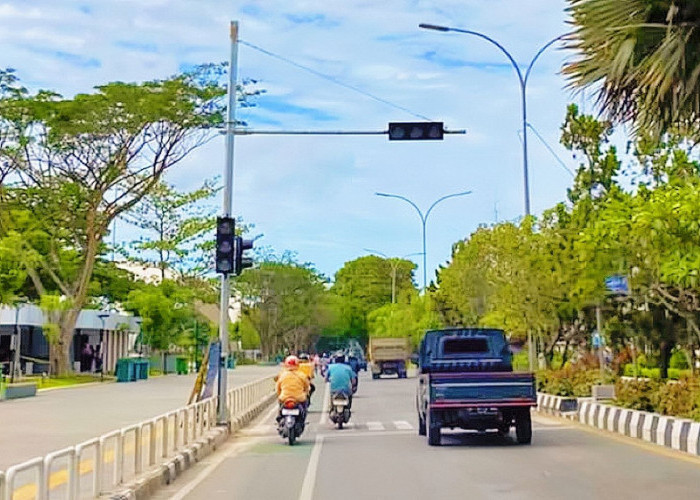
{"x": 315, "y": 195}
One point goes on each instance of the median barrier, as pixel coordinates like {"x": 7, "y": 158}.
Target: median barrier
{"x": 672, "y": 432}
{"x": 134, "y": 461}
{"x": 557, "y": 405}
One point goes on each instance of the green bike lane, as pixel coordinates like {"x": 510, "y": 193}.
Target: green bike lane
{"x": 381, "y": 456}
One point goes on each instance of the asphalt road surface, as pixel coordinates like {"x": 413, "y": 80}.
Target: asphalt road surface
{"x": 380, "y": 455}
{"x": 59, "y": 418}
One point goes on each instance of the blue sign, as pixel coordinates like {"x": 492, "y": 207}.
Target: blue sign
{"x": 617, "y": 283}
{"x": 596, "y": 340}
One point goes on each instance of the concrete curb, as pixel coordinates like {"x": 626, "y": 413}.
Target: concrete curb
{"x": 168, "y": 471}
{"x": 676, "y": 433}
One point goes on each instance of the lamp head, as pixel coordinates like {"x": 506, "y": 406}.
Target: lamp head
{"x": 433, "y": 27}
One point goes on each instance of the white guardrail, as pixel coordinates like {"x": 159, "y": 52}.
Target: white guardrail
{"x": 104, "y": 463}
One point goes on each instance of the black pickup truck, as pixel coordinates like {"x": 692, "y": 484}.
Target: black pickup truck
{"x": 466, "y": 381}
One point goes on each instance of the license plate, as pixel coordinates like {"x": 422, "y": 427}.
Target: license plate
{"x": 294, "y": 411}
{"x": 340, "y": 402}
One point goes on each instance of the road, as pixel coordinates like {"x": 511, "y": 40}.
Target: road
{"x": 380, "y": 456}
{"x": 59, "y": 418}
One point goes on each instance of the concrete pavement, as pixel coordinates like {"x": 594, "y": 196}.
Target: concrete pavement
{"x": 65, "y": 417}
{"x": 381, "y": 456}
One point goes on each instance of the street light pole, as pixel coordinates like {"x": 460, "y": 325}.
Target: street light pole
{"x": 16, "y": 363}
{"x": 394, "y": 263}
{"x": 424, "y": 220}
{"x": 522, "y": 79}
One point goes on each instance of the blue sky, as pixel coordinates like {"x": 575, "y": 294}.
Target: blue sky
{"x": 315, "y": 195}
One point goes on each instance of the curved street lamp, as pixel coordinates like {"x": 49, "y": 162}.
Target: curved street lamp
{"x": 424, "y": 219}
{"x": 522, "y": 79}
{"x": 394, "y": 263}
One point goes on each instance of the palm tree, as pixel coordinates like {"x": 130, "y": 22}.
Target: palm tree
{"x": 643, "y": 59}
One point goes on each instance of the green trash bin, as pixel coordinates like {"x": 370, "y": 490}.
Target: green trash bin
{"x": 181, "y": 365}
{"x": 141, "y": 369}
{"x": 125, "y": 370}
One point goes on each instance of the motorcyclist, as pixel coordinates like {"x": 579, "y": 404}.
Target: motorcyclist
{"x": 292, "y": 384}
{"x": 306, "y": 366}
{"x": 341, "y": 376}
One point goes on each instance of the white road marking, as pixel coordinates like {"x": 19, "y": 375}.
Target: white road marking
{"x": 375, "y": 426}
{"x": 326, "y": 404}
{"x": 307, "y": 487}
{"x": 402, "y": 425}
{"x": 360, "y": 434}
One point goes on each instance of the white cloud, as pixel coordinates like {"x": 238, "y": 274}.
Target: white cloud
{"x": 315, "y": 194}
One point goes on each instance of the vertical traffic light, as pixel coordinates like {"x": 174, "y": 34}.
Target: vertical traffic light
{"x": 242, "y": 262}
{"x": 225, "y": 247}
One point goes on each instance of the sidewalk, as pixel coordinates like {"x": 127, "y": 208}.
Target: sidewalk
{"x": 56, "y": 419}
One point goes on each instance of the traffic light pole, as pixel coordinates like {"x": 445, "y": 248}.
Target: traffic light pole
{"x": 222, "y": 408}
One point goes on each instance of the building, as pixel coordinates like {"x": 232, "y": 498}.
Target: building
{"x": 112, "y": 334}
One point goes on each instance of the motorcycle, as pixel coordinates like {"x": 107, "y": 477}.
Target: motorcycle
{"x": 292, "y": 421}
{"x": 339, "y": 412}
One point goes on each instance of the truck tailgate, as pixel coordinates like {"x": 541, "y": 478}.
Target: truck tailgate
{"x": 451, "y": 390}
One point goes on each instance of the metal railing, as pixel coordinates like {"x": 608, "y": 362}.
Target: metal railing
{"x": 112, "y": 459}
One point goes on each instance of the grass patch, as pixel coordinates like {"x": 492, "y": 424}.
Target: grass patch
{"x": 66, "y": 381}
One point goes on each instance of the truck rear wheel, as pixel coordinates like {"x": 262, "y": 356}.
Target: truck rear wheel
{"x": 433, "y": 428}
{"x": 523, "y": 427}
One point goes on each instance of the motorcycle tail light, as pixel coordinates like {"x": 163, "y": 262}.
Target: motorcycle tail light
{"x": 289, "y": 404}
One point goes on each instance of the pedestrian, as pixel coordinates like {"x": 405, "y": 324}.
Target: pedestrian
{"x": 85, "y": 358}
{"x": 98, "y": 359}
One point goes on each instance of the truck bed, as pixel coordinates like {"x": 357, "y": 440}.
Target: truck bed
{"x": 480, "y": 389}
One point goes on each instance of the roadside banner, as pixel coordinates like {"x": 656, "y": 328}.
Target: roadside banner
{"x": 212, "y": 369}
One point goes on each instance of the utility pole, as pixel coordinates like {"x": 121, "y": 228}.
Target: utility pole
{"x": 222, "y": 408}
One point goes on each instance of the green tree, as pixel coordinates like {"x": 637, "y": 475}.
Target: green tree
{"x": 365, "y": 284}
{"x": 286, "y": 303}
{"x": 176, "y": 224}
{"x": 643, "y": 58}
{"x": 167, "y": 310}
{"x": 85, "y": 160}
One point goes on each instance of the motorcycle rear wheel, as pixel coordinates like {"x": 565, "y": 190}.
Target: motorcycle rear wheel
{"x": 291, "y": 436}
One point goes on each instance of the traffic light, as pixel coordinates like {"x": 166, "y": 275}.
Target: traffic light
{"x": 416, "y": 131}
{"x": 242, "y": 262}
{"x": 225, "y": 248}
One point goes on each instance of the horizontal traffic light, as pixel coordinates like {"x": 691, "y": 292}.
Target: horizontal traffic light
{"x": 416, "y": 131}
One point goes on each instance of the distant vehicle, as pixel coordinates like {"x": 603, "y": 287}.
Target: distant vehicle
{"x": 466, "y": 381}
{"x": 388, "y": 356}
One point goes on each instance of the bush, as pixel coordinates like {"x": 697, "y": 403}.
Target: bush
{"x": 678, "y": 399}
{"x": 654, "y": 373}
{"x": 679, "y": 360}
{"x": 572, "y": 380}
{"x": 245, "y": 361}
{"x": 637, "y": 394}
{"x": 520, "y": 362}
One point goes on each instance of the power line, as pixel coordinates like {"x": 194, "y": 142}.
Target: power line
{"x": 333, "y": 80}
{"x": 549, "y": 148}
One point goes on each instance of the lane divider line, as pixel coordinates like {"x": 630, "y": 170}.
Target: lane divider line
{"x": 307, "y": 487}
{"x": 326, "y": 404}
